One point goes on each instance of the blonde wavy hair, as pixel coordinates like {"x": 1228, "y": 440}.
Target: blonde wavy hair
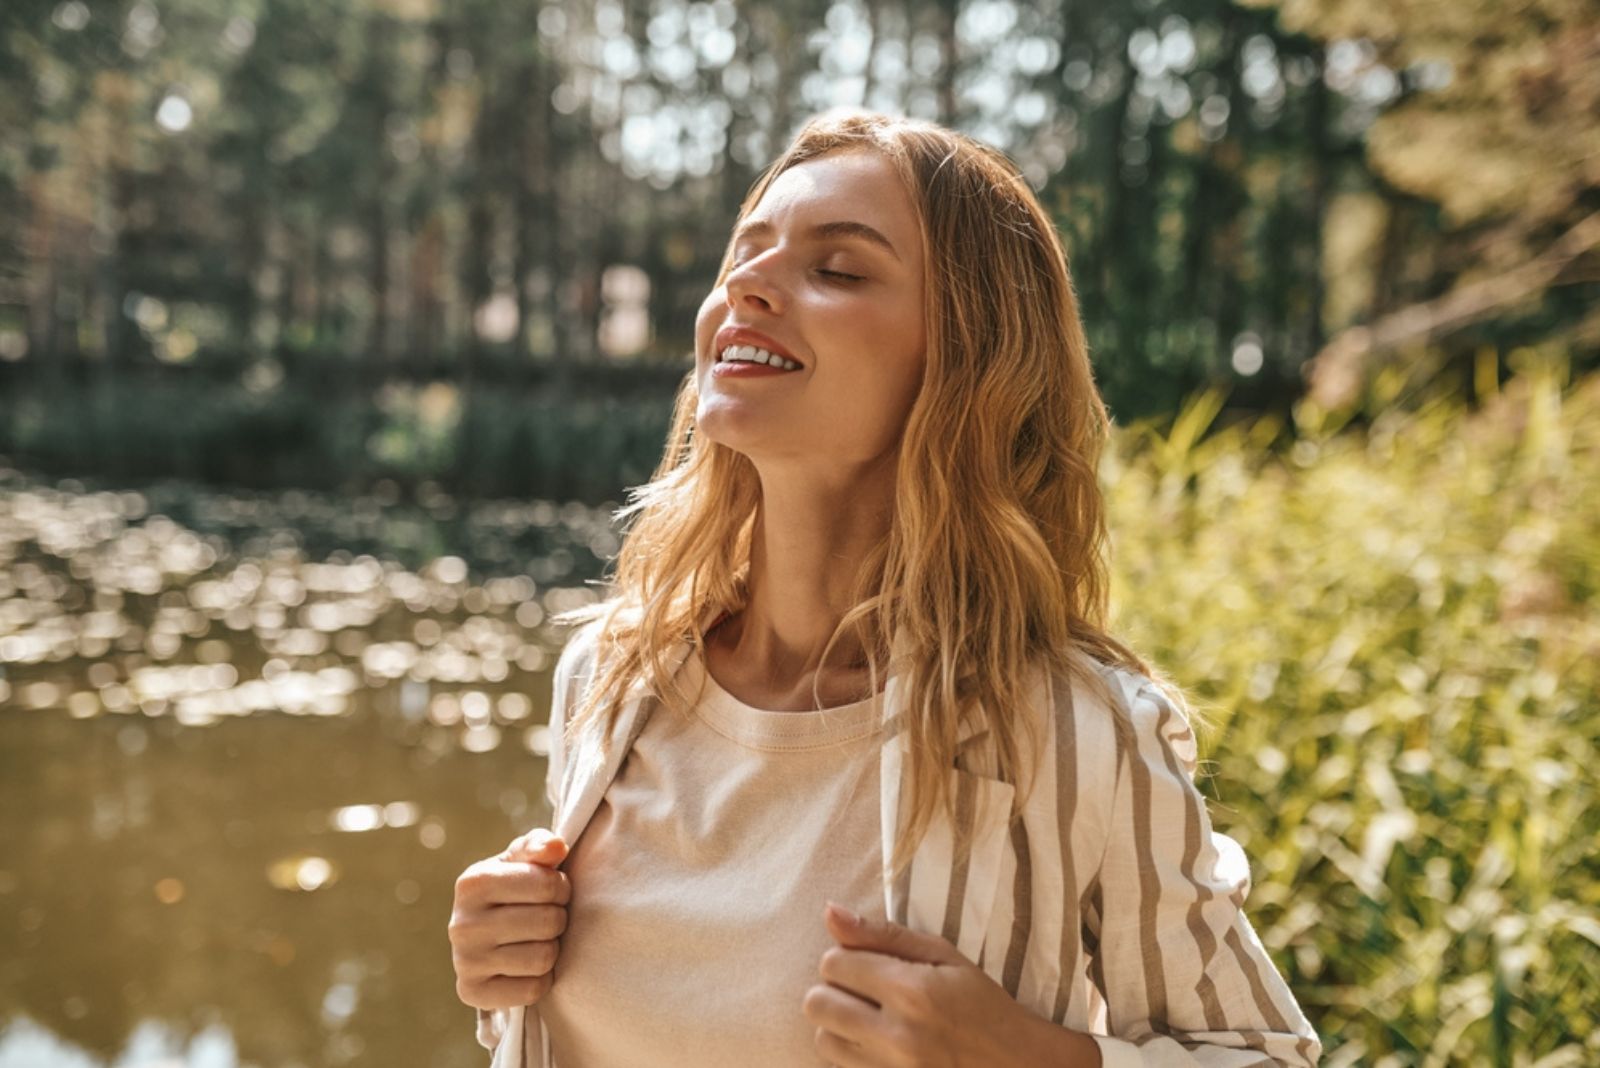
{"x": 995, "y": 559}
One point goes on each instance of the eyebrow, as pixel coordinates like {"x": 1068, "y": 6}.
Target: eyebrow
{"x": 837, "y": 228}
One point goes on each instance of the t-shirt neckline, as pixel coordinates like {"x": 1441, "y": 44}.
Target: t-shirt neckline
{"x": 762, "y": 728}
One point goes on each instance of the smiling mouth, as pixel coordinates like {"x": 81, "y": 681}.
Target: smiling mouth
{"x": 755, "y": 355}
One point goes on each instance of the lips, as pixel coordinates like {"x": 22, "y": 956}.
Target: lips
{"x": 744, "y": 335}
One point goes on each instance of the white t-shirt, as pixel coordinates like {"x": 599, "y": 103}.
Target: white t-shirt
{"x": 695, "y": 925}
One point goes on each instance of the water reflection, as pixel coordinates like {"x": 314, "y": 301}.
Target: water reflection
{"x": 235, "y": 787}
{"x": 152, "y": 1045}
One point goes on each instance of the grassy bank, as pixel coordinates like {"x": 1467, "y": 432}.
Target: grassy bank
{"x": 1393, "y": 632}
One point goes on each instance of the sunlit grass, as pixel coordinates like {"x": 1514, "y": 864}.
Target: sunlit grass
{"x": 1393, "y": 636}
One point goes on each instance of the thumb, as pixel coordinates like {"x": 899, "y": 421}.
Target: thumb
{"x": 538, "y": 846}
{"x": 887, "y": 937}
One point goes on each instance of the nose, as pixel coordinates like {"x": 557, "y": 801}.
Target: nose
{"x": 750, "y": 285}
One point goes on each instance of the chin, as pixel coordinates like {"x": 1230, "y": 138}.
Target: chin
{"x": 742, "y": 429}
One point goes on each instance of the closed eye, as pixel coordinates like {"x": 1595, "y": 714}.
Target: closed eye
{"x": 841, "y": 275}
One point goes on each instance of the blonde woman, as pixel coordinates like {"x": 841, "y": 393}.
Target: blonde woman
{"x": 846, "y": 770}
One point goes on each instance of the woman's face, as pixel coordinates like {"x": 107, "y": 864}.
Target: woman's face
{"x": 827, "y": 273}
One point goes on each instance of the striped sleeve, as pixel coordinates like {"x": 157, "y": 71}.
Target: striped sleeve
{"x": 1186, "y": 981}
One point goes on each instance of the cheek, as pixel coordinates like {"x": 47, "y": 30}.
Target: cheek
{"x": 884, "y": 368}
{"x": 708, "y": 318}
{"x": 911, "y": 362}
{"x": 910, "y": 385}
{"x": 902, "y": 334}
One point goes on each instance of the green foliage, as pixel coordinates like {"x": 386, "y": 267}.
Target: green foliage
{"x": 1390, "y": 631}
{"x": 520, "y": 441}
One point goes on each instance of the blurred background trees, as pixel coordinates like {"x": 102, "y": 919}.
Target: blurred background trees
{"x": 401, "y": 236}
{"x": 1500, "y": 141}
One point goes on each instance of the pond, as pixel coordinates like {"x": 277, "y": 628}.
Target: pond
{"x": 246, "y": 744}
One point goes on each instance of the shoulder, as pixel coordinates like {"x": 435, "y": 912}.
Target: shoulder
{"x": 579, "y": 651}
{"x": 1123, "y": 713}
{"x": 576, "y": 663}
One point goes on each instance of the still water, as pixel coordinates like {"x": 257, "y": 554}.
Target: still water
{"x": 246, "y": 744}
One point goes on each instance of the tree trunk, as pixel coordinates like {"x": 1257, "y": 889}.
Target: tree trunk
{"x": 378, "y": 343}
{"x": 948, "y": 11}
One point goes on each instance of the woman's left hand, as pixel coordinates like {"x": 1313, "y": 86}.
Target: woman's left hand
{"x": 894, "y": 997}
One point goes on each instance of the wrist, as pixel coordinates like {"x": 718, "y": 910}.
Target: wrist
{"x": 1060, "y": 1047}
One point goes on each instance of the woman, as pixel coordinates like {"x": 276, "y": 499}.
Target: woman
{"x": 891, "y": 794}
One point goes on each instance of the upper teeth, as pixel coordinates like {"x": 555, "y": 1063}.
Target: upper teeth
{"x": 751, "y": 354}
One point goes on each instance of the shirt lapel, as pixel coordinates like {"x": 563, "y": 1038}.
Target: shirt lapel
{"x": 944, "y": 891}
{"x": 585, "y": 773}
{"x": 590, "y": 766}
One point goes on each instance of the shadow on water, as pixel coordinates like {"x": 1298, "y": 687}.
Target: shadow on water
{"x": 236, "y": 787}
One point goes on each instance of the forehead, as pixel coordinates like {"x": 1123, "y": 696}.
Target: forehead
{"x": 857, "y": 184}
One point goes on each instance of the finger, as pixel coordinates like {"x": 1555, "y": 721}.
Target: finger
{"x": 875, "y": 977}
{"x": 842, "y": 1013}
{"x": 885, "y": 936}
{"x": 498, "y": 882}
{"x": 510, "y": 924}
{"x": 503, "y": 992}
{"x": 843, "y": 1053}
{"x": 520, "y": 960}
{"x": 525, "y": 959}
{"x": 538, "y": 846}
{"x": 514, "y": 883}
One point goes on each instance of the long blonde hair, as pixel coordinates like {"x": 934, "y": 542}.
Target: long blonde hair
{"x": 994, "y": 564}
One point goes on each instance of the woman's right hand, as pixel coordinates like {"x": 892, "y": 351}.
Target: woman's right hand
{"x": 506, "y": 924}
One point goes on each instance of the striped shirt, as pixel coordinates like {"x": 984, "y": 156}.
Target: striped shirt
{"x": 1109, "y": 906}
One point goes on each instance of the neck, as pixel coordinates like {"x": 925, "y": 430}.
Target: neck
{"x": 810, "y": 539}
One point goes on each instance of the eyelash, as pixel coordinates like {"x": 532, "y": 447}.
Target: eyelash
{"x": 840, "y": 276}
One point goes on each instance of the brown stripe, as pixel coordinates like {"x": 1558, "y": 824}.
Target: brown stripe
{"x": 1021, "y": 910}
{"x": 1066, "y": 811}
{"x": 1087, "y": 906}
{"x": 1155, "y": 976}
{"x": 1092, "y": 902}
{"x": 1266, "y": 1061}
{"x": 956, "y": 896}
{"x": 1252, "y": 975}
{"x": 900, "y": 889}
{"x": 1253, "y": 1040}
{"x": 1205, "y": 940}
{"x": 1256, "y": 1042}
{"x": 1092, "y": 905}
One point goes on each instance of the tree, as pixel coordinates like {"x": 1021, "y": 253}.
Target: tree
{"x": 1496, "y": 122}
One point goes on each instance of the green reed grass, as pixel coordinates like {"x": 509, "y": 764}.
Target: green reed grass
{"x": 1391, "y": 632}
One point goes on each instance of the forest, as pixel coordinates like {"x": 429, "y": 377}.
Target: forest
{"x": 291, "y": 243}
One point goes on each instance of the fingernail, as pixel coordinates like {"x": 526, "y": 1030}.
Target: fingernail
{"x": 537, "y": 840}
{"x": 844, "y": 915}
